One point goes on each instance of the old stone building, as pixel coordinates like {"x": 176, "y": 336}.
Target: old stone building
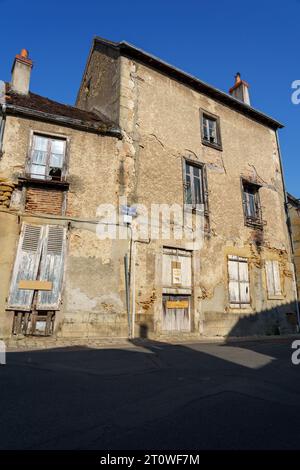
{"x": 294, "y": 217}
{"x": 154, "y": 207}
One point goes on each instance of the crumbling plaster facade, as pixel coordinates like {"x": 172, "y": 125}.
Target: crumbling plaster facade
{"x": 93, "y": 299}
{"x": 160, "y": 118}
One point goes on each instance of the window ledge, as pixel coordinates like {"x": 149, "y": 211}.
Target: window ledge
{"x": 276, "y": 297}
{"x": 255, "y": 224}
{"x": 28, "y": 181}
{"x": 212, "y": 145}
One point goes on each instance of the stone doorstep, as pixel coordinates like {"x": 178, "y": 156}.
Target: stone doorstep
{"x": 34, "y": 343}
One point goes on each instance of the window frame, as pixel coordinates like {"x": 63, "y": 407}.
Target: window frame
{"x": 203, "y": 181}
{"x": 273, "y": 295}
{"x": 50, "y": 136}
{"x": 254, "y": 222}
{"x": 212, "y": 117}
{"x": 238, "y": 305}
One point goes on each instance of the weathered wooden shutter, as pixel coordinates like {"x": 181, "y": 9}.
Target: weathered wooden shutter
{"x": 233, "y": 272}
{"x": 26, "y": 266}
{"x": 273, "y": 278}
{"x": 277, "y": 283}
{"x": 244, "y": 283}
{"x": 270, "y": 278}
{"x": 52, "y": 267}
{"x": 239, "y": 286}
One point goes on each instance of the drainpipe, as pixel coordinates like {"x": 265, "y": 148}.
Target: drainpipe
{"x": 288, "y": 223}
{"x": 133, "y": 256}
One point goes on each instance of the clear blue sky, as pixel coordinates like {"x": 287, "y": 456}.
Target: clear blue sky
{"x": 210, "y": 39}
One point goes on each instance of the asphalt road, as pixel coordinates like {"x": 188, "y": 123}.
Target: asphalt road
{"x": 152, "y": 396}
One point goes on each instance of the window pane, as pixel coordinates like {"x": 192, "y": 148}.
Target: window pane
{"x": 56, "y": 160}
{"x": 188, "y": 190}
{"x": 58, "y": 146}
{"x": 38, "y": 171}
{"x": 250, "y": 203}
{"x": 196, "y": 171}
{"x": 198, "y": 193}
{"x": 187, "y": 168}
{"x": 39, "y": 157}
{"x": 40, "y": 143}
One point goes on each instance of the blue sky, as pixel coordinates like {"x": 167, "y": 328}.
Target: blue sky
{"x": 210, "y": 39}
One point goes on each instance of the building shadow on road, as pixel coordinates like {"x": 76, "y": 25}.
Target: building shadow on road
{"x": 235, "y": 394}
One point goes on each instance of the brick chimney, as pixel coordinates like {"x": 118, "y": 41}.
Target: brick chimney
{"x": 240, "y": 90}
{"x": 21, "y": 71}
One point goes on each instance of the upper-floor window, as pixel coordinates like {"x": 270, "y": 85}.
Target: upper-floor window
{"x": 194, "y": 184}
{"x": 47, "y": 158}
{"x": 210, "y": 127}
{"x": 251, "y": 203}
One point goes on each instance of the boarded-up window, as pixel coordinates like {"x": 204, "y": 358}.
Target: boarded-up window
{"x": 239, "y": 288}
{"x": 45, "y": 200}
{"x": 273, "y": 278}
{"x": 40, "y": 256}
{"x": 176, "y": 313}
{"x": 177, "y": 269}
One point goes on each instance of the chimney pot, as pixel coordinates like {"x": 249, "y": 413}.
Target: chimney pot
{"x": 24, "y": 53}
{"x": 240, "y": 89}
{"x": 21, "y": 71}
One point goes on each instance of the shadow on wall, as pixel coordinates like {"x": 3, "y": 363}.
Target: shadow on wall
{"x": 281, "y": 319}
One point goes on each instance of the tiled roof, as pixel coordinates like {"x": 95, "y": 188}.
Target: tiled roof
{"x": 46, "y": 107}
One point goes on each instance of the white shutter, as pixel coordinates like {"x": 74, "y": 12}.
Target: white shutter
{"x": 52, "y": 267}
{"x": 273, "y": 278}
{"x": 239, "y": 286}
{"x": 233, "y": 272}
{"x": 270, "y": 277}
{"x": 277, "y": 283}
{"x": 26, "y": 266}
{"x": 244, "y": 283}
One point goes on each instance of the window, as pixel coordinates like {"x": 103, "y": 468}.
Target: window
{"x": 273, "y": 279}
{"x": 40, "y": 257}
{"x": 47, "y": 158}
{"x": 195, "y": 183}
{"x": 251, "y": 203}
{"x": 239, "y": 287}
{"x": 211, "y": 130}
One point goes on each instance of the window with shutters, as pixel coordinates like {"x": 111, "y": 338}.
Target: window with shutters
{"x": 195, "y": 185}
{"x": 239, "y": 286}
{"x": 273, "y": 279}
{"x": 210, "y": 130}
{"x": 40, "y": 257}
{"x": 251, "y": 204}
{"x": 47, "y": 159}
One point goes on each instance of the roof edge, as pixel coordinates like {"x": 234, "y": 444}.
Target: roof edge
{"x": 62, "y": 120}
{"x": 127, "y": 49}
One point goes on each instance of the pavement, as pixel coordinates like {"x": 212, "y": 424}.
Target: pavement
{"x": 152, "y": 395}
